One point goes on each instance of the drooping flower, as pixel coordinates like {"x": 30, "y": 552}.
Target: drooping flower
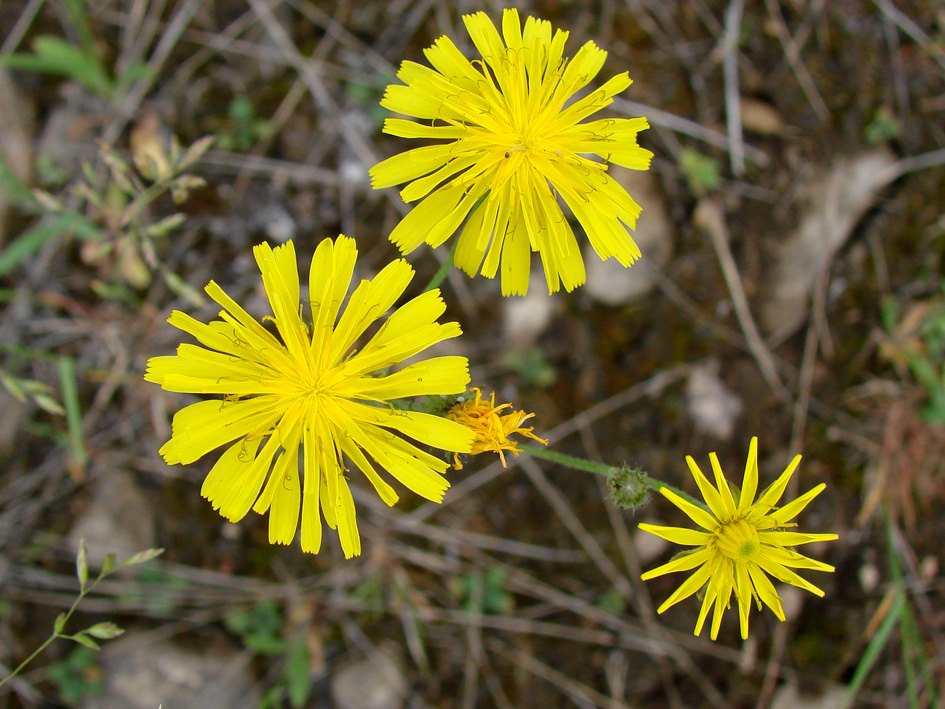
{"x": 740, "y": 543}
{"x": 305, "y": 387}
{"x": 491, "y": 428}
{"x": 512, "y": 142}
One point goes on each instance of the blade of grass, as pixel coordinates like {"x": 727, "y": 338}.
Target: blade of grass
{"x": 80, "y": 21}
{"x": 913, "y": 638}
{"x": 70, "y": 399}
{"x": 32, "y": 240}
{"x": 895, "y": 570}
{"x": 27, "y": 353}
{"x": 912, "y": 650}
{"x": 875, "y": 647}
{"x": 17, "y": 190}
{"x": 907, "y": 631}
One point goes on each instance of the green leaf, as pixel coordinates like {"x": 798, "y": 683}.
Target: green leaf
{"x": 78, "y": 14}
{"x": 260, "y": 627}
{"x": 83, "y": 639}
{"x": 166, "y": 225}
{"x": 298, "y": 672}
{"x": 29, "y": 242}
{"x": 17, "y": 190}
{"x": 48, "y": 404}
{"x": 141, "y": 557}
{"x": 25, "y": 389}
{"x": 104, "y": 631}
{"x": 76, "y": 676}
{"x": 132, "y": 74}
{"x": 612, "y": 601}
{"x": 184, "y": 290}
{"x": 701, "y": 171}
{"x": 78, "y": 456}
{"x": 82, "y": 565}
{"x": 54, "y": 55}
{"x": 60, "y": 623}
{"x": 196, "y": 151}
{"x": 108, "y": 565}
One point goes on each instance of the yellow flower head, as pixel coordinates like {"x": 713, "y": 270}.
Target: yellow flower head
{"x": 491, "y": 429}
{"x": 512, "y": 142}
{"x": 740, "y": 544}
{"x": 293, "y": 386}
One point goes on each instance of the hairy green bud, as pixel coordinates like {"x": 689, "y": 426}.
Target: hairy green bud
{"x": 628, "y": 488}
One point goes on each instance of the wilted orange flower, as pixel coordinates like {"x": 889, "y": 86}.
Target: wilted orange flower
{"x": 492, "y": 429}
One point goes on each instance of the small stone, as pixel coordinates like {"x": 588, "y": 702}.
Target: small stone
{"x": 353, "y": 174}
{"x": 375, "y": 682}
{"x": 276, "y": 222}
{"x": 525, "y": 318}
{"x": 792, "y": 601}
{"x": 118, "y": 521}
{"x": 760, "y": 117}
{"x": 789, "y": 696}
{"x": 869, "y": 577}
{"x": 713, "y": 408}
{"x": 649, "y": 546}
{"x": 145, "y": 676}
{"x": 612, "y": 284}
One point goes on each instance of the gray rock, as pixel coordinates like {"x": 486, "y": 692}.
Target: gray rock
{"x": 713, "y": 407}
{"x": 525, "y": 318}
{"x": 789, "y": 696}
{"x": 612, "y": 284}
{"x": 139, "y": 676}
{"x": 119, "y": 520}
{"x": 375, "y": 682}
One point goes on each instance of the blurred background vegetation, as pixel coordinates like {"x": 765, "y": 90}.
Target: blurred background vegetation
{"x": 792, "y": 288}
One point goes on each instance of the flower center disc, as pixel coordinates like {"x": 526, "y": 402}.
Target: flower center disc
{"x": 738, "y": 540}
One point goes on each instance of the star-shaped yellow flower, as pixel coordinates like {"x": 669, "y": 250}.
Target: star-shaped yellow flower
{"x": 740, "y": 543}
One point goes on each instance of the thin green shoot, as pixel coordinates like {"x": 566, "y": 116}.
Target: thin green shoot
{"x": 78, "y": 456}
{"x": 99, "y": 631}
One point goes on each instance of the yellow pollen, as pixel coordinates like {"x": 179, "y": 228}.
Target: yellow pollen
{"x": 738, "y": 540}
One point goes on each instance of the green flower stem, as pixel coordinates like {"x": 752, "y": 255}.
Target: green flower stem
{"x": 444, "y": 269}
{"x": 589, "y": 466}
{"x": 55, "y": 634}
{"x": 448, "y": 264}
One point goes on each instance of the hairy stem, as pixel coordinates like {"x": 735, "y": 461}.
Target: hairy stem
{"x": 590, "y": 466}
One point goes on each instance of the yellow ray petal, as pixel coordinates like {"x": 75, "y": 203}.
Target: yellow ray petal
{"x": 347, "y": 522}
{"x": 766, "y": 591}
{"x": 709, "y": 493}
{"x": 750, "y": 479}
{"x": 771, "y": 496}
{"x": 793, "y": 539}
{"x": 284, "y": 510}
{"x": 791, "y": 510}
{"x": 437, "y": 375}
{"x": 681, "y": 562}
{"x": 425, "y": 428}
{"x": 678, "y": 535}
{"x": 696, "y": 514}
{"x": 689, "y": 586}
{"x": 721, "y": 484}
